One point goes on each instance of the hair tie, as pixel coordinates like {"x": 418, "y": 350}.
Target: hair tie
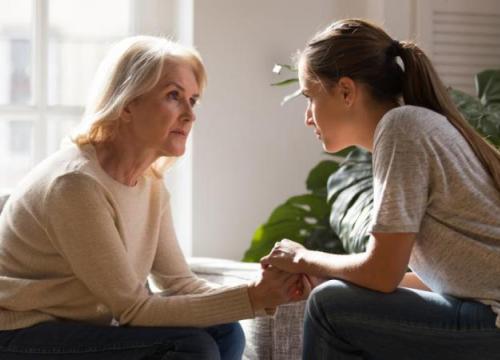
{"x": 394, "y": 49}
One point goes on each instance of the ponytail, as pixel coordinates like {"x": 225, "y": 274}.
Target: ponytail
{"x": 423, "y": 87}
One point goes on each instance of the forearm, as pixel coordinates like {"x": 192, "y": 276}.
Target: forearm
{"x": 181, "y": 285}
{"x": 360, "y": 269}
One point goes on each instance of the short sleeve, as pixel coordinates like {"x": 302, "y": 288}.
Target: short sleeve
{"x": 400, "y": 177}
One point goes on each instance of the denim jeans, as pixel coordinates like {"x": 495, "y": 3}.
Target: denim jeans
{"x": 344, "y": 321}
{"x": 79, "y": 341}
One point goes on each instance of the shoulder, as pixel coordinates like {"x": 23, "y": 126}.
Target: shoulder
{"x": 74, "y": 187}
{"x": 33, "y": 188}
{"x": 411, "y": 123}
{"x": 409, "y": 118}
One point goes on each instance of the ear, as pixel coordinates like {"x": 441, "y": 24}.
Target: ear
{"x": 347, "y": 88}
{"x": 127, "y": 112}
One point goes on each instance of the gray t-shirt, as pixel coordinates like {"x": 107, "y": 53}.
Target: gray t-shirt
{"x": 428, "y": 180}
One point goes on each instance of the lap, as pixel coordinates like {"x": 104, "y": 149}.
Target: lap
{"x": 405, "y": 324}
{"x": 74, "y": 340}
{"x": 344, "y": 300}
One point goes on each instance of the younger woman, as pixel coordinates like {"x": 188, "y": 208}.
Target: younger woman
{"x": 436, "y": 205}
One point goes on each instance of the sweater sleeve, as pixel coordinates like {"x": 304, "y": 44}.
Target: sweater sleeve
{"x": 170, "y": 272}
{"x": 80, "y": 222}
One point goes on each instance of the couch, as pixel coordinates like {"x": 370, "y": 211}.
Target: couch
{"x": 277, "y": 337}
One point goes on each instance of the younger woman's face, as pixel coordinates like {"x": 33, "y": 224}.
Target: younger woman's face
{"x": 327, "y": 113}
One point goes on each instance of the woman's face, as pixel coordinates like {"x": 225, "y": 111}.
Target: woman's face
{"x": 328, "y": 113}
{"x": 161, "y": 119}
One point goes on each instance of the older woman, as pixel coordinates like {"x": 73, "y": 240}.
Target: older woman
{"x": 84, "y": 230}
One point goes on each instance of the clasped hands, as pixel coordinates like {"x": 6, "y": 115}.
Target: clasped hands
{"x": 284, "y": 278}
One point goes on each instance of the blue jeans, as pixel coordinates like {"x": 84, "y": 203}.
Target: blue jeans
{"x": 344, "y": 321}
{"x": 79, "y": 341}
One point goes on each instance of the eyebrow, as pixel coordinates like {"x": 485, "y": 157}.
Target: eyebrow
{"x": 169, "y": 83}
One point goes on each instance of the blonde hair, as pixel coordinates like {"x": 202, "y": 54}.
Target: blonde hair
{"x": 131, "y": 68}
{"x": 364, "y": 52}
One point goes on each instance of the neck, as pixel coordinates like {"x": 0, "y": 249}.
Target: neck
{"x": 124, "y": 161}
{"x": 372, "y": 115}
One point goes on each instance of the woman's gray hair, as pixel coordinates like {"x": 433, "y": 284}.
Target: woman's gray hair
{"x": 131, "y": 68}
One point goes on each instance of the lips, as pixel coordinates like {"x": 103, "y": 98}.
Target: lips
{"x": 180, "y": 132}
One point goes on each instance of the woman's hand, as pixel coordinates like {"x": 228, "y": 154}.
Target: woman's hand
{"x": 286, "y": 255}
{"x": 277, "y": 287}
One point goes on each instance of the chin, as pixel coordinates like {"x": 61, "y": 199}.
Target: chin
{"x": 333, "y": 148}
{"x": 176, "y": 152}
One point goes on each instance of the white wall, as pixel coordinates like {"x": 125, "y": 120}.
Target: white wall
{"x": 250, "y": 154}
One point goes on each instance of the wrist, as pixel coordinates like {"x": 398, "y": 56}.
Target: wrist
{"x": 303, "y": 260}
{"x": 254, "y": 296}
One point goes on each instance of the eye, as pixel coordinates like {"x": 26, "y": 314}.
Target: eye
{"x": 173, "y": 95}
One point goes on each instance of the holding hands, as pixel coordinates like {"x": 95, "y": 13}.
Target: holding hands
{"x": 286, "y": 255}
{"x": 284, "y": 277}
{"x": 292, "y": 257}
{"x": 276, "y": 287}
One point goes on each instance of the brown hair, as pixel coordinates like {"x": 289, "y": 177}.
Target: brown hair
{"x": 365, "y": 53}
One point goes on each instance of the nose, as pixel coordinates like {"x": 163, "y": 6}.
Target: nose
{"x": 308, "y": 117}
{"x": 188, "y": 114}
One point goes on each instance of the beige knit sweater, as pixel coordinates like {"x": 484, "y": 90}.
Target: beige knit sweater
{"x": 76, "y": 244}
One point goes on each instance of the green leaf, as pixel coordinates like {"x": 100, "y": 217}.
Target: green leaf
{"x": 267, "y": 235}
{"x": 345, "y": 152}
{"x": 350, "y": 192}
{"x": 357, "y": 220}
{"x": 297, "y": 219}
{"x": 324, "y": 239}
{"x": 318, "y": 177}
{"x": 291, "y": 96}
{"x": 488, "y": 87}
{"x": 484, "y": 118}
{"x": 314, "y": 205}
{"x": 278, "y": 67}
{"x": 286, "y": 82}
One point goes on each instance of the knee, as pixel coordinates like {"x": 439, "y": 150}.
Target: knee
{"x": 204, "y": 345}
{"x": 231, "y": 340}
{"x": 336, "y": 297}
{"x": 187, "y": 343}
{"x": 236, "y": 335}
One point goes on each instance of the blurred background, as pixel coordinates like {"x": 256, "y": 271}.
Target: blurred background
{"x": 247, "y": 153}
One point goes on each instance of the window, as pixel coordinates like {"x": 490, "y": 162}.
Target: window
{"x": 49, "y": 51}
{"x": 461, "y": 37}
